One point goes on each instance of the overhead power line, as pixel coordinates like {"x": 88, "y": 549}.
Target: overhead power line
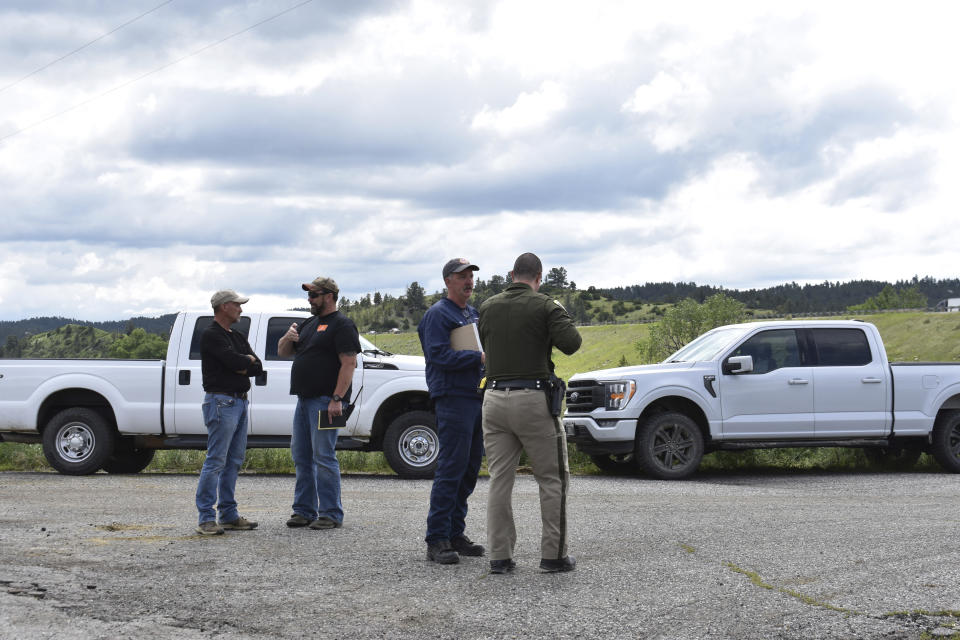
{"x": 81, "y": 48}
{"x": 151, "y": 72}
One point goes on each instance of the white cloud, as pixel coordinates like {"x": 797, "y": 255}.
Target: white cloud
{"x": 735, "y": 144}
{"x": 532, "y": 110}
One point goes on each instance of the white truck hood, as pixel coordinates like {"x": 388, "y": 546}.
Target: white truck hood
{"x": 618, "y": 373}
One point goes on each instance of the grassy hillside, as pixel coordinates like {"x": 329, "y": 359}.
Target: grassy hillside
{"x": 931, "y": 337}
{"x": 602, "y": 348}
{"x": 914, "y": 336}
{"x": 70, "y": 341}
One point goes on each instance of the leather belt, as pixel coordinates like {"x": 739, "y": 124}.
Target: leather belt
{"x": 240, "y": 395}
{"x": 512, "y": 385}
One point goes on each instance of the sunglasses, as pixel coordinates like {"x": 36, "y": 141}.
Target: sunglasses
{"x": 316, "y": 294}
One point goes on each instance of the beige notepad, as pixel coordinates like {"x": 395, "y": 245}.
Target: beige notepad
{"x": 465, "y": 338}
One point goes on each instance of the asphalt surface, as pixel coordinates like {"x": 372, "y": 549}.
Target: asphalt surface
{"x": 853, "y": 555}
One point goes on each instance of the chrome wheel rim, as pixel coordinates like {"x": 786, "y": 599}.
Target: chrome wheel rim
{"x": 75, "y": 442}
{"x": 419, "y": 446}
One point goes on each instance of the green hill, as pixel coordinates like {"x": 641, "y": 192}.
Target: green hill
{"x": 908, "y": 336}
{"x": 71, "y": 341}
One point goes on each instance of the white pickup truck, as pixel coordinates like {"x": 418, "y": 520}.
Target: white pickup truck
{"x": 113, "y": 414}
{"x": 764, "y": 385}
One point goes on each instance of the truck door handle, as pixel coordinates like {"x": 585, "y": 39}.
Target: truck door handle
{"x": 871, "y": 380}
{"x": 797, "y": 381}
{"x": 261, "y": 380}
{"x": 183, "y": 377}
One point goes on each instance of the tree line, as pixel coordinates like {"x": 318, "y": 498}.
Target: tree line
{"x": 384, "y": 312}
{"x": 791, "y": 297}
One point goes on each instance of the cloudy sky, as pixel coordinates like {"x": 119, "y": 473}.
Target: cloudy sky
{"x": 191, "y": 146}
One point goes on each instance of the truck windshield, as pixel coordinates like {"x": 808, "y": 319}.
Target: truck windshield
{"x": 707, "y": 346}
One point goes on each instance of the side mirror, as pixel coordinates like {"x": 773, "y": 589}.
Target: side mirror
{"x": 738, "y": 364}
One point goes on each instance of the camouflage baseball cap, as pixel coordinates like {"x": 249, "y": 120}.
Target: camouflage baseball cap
{"x": 226, "y": 295}
{"x": 322, "y": 282}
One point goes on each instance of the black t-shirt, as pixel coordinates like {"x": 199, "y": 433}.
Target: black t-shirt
{"x": 316, "y": 363}
{"x": 222, "y": 354}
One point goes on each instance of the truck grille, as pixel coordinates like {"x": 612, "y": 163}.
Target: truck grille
{"x": 583, "y": 396}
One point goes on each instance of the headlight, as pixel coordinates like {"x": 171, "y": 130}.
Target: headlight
{"x": 618, "y": 394}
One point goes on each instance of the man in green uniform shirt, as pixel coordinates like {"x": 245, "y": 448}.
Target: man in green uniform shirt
{"x": 518, "y": 330}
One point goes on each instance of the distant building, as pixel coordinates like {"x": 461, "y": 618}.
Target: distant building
{"x": 950, "y": 304}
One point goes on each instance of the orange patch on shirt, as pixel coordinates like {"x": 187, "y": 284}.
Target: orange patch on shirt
{"x": 321, "y": 327}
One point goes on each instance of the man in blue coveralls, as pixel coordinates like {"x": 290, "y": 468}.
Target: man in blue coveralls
{"x": 453, "y": 378}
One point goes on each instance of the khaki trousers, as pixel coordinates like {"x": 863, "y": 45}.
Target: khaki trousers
{"x": 515, "y": 421}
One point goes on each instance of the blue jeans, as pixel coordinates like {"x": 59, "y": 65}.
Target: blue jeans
{"x": 458, "y": 463}
{"x": 226, "y": 421}
{"x": 317, "y": 490}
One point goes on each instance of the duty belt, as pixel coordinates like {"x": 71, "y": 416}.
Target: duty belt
{"x": 508, "y": 385}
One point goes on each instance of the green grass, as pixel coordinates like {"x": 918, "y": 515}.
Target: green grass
{"x": 924, "y": 337}
{"x": 800, "y": 459}
{"x": 602, "y": 348}
{"x": 29, "y": 457}
{"x": 21, "y": 457}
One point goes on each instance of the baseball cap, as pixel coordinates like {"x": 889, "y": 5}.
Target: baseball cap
{"x": 226, "y": 295}
{"x": 457, "y": 265}
{"x": 322, "y": 282}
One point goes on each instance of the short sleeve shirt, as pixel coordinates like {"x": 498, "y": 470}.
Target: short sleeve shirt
{"x": 316, "y": 361}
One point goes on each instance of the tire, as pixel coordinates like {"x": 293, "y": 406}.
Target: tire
{"x": 411, "y": 445}
{"x": 946, "y": 441}
{"x": 128, "y": 459}
{"x": 78, "y": 441}
{"x": 893, "y": 458}
{"x": 669, "y": 446}
{"x": 618, "y": 464}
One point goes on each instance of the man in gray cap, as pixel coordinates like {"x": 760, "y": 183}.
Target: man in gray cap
{"x": 227, "y": 362}
{"x": 453, "y": 378}
{"x": 325, "y": 352}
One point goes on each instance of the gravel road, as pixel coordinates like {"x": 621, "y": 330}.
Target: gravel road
{"x": 853, "y": 555}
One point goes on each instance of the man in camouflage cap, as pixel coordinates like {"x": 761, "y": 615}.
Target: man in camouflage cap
{"x": 325, "y": 352}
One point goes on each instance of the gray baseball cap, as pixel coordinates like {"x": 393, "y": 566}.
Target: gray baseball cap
{"x": 227, "y": 295}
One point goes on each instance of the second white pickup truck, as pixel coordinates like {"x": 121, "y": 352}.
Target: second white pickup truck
{"x": 763, "y": 385}
{"x": 113, "y": 414}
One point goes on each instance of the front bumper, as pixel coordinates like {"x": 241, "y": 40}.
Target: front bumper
{"x": 594, "y": 438}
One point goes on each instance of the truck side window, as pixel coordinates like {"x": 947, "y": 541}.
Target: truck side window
{"x": 276, "y": 327}
{"x": 771, "y": 350}
{"x": 842, "y": 347}
{"x": 242, "y": 326}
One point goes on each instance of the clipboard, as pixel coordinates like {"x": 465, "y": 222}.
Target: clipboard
{"x": 466, "y": 338}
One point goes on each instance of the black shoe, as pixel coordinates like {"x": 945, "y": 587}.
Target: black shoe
{"x": 442, "y": 553}
{"x": 502, "y": 566}
{"x": 466, "y": 547}
{"x": 297, "y": 520}
{"x": 553, "y": 566}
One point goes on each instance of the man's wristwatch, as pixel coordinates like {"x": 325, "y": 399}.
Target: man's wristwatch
{"x": 337, "y": 398}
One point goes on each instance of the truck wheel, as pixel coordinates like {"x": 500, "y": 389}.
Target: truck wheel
{"x": 619, "y": 464}
{"x": 669, "y": 446}
{"x": 946, "y": 441}
{"x": 893, "y": 458}
{"x": 411, "y": 444}
{"x": 77, "y": 441}
{"x": 128, "y": 459}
